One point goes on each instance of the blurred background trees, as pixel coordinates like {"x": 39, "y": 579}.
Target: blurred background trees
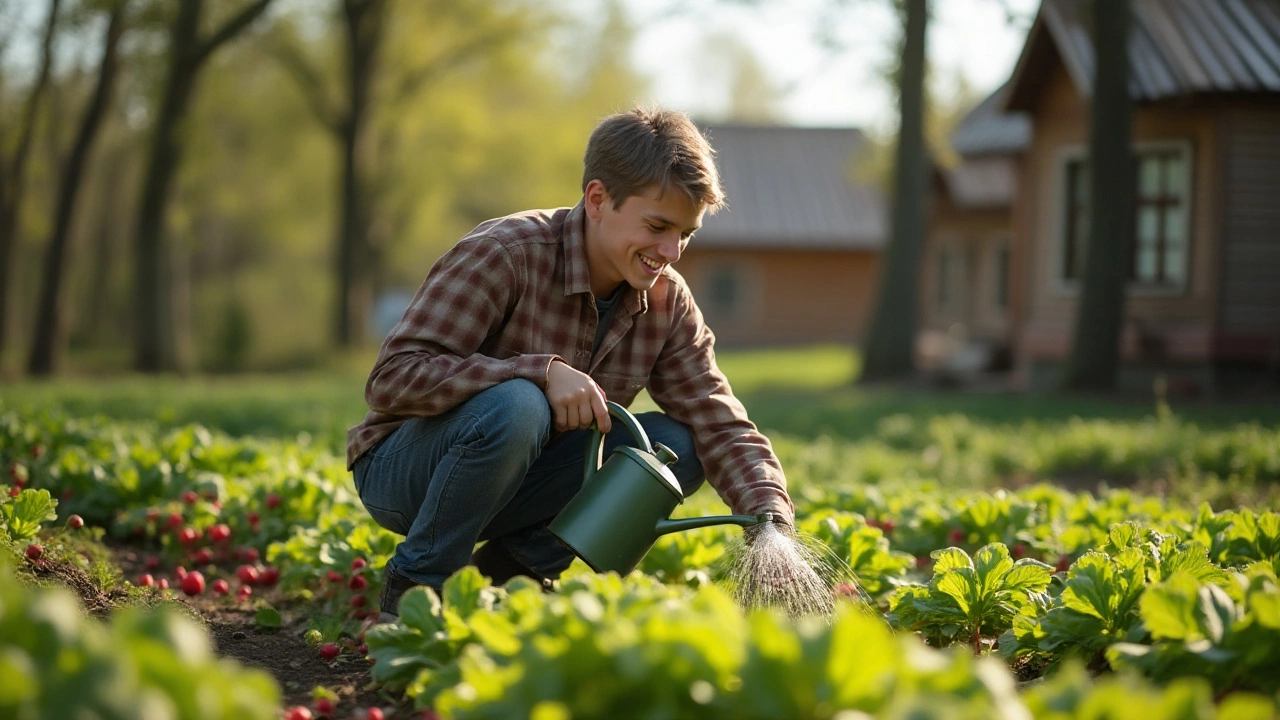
{"x": 190, "y": 185}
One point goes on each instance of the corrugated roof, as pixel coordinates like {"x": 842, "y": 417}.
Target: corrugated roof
{"x": 792, "y": 187}
{"x": 988, "y": 129}
{"x": 1177, "y": 47}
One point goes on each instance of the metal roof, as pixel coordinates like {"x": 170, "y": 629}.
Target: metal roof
{"x": 1177, "y": 48}
{"x": 792, "y": 187}
{"x": 988, "y": 129}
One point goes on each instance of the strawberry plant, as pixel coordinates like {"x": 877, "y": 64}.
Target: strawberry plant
{"x": 968, "y": 598}
{"x": 1199, "y": 630}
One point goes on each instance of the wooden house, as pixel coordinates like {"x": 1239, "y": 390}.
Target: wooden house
{"x": 793, "y": 257}
{"x": 1203, "y": 303}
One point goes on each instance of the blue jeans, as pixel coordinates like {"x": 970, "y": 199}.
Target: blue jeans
{"x": 490, "y": 469}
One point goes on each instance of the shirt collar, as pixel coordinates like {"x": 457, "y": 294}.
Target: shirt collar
{"x": 577, "y": 278}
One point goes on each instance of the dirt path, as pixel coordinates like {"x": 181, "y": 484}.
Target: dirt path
{"x": 281, "y": 651}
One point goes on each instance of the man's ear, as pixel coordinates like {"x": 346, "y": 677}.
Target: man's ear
{"x": 595, "y": 197}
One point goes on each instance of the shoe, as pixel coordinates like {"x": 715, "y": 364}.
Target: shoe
{"x": 494, "y": 562}
{"x": 389, "y": 604}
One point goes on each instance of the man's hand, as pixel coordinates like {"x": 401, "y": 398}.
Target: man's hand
{"x": 576, "y": 400}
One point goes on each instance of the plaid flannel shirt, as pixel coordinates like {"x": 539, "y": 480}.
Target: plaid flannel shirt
{"x": 512, "y": 296}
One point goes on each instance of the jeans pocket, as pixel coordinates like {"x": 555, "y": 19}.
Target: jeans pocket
{"x": 393, "y": 520}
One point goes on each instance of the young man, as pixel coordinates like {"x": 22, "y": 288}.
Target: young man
{"x": 482, "y": 396}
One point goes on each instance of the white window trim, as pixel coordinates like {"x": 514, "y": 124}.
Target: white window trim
{"x": 1064, "y": 287}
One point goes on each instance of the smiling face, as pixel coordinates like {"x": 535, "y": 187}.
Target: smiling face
{"x": 635, "y": 241}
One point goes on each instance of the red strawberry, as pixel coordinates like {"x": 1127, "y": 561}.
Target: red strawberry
{"x": 269, "y": 576}
{"x": 922, "y": 561}
{"x": 221, "y": 587}
{"x": 887, "y": 526}
{"x": 358, "y": 583}
{"x": 374, "y": 714}
{"x": 193, "y": 583}
{"x": 188, "y": 536}
{"x": 273, "y": 501}
{"x": 244, "y": 593}
{"x": 358, "y": 564}
{"x": 15, "y": 491}
{"x": 297, "y": 713}
{"x": 163, "y": 583}
{"x": 153, "y": 562}
{"x": 180, "y": 572}
{"x": 203, "y": 556}
{"x": 329, "y": 650}
{"x": 1064, "y": 564}
{"x": 248, "y": 574}
{"x": 153, "y": 514}
{"x": 358, "y": 601}
{"x": 37, "y": 451}
{"x": 220, "y": 533}
{"x": 1019, "y": 550}
{"x": 174, "y": 522}
{"x": 324, "y": 706}
{"x": 335, "y": 576}
{"x": 254, "y": 518}
{"x": 190, "y": 497}
{"x": 34, "y": 551}
{"x": 957, "y": 536}
{"x": 147, "y": 580}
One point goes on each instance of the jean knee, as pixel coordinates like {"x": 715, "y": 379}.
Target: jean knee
{"x": 522, "y": 412}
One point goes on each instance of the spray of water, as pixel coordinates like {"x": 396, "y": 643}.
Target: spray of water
{"x": 782, "y": 568}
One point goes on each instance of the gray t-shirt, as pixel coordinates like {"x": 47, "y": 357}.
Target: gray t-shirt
{"x": 605, "y": 310}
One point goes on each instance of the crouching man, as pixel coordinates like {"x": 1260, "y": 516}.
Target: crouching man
{"x": 482, "y": 395}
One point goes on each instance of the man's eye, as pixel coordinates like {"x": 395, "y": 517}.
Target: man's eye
{"x": 655, "y": 228}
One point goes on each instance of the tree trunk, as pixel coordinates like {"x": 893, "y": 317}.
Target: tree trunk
{"x": 153, "y": 311}
{"x": 1095, "y": 354}
{"x": 50, "y": 331}
{"x": 13, "y": 177}
{"x": 889, "y": 349}
{"x": 156, "y": 346}
{"x": 364, "y": 26}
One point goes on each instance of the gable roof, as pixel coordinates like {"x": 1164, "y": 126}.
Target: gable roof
{"x": 1176, "y": 48}
{"x": 792, "y": 187}
{"x": 988, "y": 129}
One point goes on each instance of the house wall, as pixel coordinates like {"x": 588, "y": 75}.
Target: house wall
{"x": 971, "y": 238}
{"x": 1249, "y": 312}
{"x": 785, "y": 297}
{"x": 1178, "y": 325}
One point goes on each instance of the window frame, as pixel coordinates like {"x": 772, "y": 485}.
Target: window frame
{"x": 1068, "y": 154}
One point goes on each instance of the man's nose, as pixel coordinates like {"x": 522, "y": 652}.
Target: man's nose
{"x": 670, "y": 249}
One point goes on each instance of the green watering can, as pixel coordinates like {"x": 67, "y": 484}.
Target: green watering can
{"x": 624, "y": 505}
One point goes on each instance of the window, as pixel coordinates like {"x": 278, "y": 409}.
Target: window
{"x": 945, "y": 280}
{"x": 1161, "y": 208}
{"x": 723, "y": 290}
{"x": 1001, "y": 299}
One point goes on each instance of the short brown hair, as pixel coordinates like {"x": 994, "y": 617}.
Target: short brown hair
{"x": 631, "y": 151}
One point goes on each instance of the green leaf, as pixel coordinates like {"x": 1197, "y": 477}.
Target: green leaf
{"x": 267, "y": 617}
{"x": 1169, "y": 608}
{"x": 950, "y": 559}
{"x": 420, "y": 609}
{"x": 466, "y": 592}
{"x": 24, "y": 514}
{"x": 991, "y": 564}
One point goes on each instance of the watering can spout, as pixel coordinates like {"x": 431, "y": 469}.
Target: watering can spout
{"x": 669, "y": 526}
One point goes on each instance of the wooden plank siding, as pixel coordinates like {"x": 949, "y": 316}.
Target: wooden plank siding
{"x": 784, "y": 297}
{"x": 1249, "y": 312}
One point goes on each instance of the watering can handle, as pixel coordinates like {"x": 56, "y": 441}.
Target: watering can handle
{"x": 595, "y": 443}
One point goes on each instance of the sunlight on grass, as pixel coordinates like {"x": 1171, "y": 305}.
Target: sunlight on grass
{"x": 806, "y": 368}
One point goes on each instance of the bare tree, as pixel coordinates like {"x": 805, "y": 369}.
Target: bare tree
{"x": 1095, "y": 353}
{"x": 888, "y": 351}
{"x": 13, "y": 169}
{"x": 50, "y": 329}
{"x": 363, "y": 32}
{"x": 155, "y": 343}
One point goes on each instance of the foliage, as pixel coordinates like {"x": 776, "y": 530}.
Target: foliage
{"x": 57, "y": 663}
{"x": 1200, "y": 630}
{"x": 970, "y": 598}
